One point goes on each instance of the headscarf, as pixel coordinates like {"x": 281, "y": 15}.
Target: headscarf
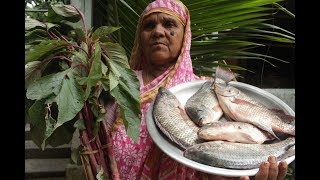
{"x": 144, "y": 160}
{"x": 182, "y": 70}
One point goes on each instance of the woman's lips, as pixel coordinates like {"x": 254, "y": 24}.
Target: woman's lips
{"x": 158, "y": 45}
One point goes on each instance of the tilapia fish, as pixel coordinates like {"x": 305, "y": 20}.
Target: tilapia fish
{"x": 241, "y": 107}
{"x": 233, "y": 132}
{"x": 239, "y": 155}
{"x": 170, "y": 117}
{"x": 203, "y": 106}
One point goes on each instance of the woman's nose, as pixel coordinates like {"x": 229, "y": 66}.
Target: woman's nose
{"x": 158, "y": 31}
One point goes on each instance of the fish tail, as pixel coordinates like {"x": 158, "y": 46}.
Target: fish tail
{"x": 224, "y": 74}
{"x": 274, "y": 135}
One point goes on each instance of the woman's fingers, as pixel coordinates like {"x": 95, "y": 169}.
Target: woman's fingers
{"x": 244, "y": 178}
{"x": 273, "y": 168}
{"x": 263, "y": 171}
{"x": 283, "y": 168}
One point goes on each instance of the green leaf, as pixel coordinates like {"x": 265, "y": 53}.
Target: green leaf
{"x": 44, "y": 49}
{"x": 60, "y": 12}
{"x": 46, "y": 85}
{"x": 30, "y": 23}
{"x": 79, "y": 124}
{"x": 127, "y": 96}
{"x": 103, "y": 31}
{"x": 95, "y": 70}
{"x": 70, "y": 99}
{"x": 49, "y": 130}
{"x": 100, "y": 175}
{"x": 62, "y": 134}
{"x": 35, "y": 36}
{"x": 117, "y": 54}
{"x": 37, "y": 122}
{"x": 32, "y": 72}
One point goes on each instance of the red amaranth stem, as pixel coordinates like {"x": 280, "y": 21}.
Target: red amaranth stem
{"x": 62, "y": 58}
{"x": 113, "y": 164}
{"x": 76, "y": 46}
{"x": 83, "y": 22}
{"x": 92, "y": 140}
{"x": 106, "y": 125}
{"x": 82, "y": 65}
{"x": 102, "y": 159}
{"x": 85, "y": 139}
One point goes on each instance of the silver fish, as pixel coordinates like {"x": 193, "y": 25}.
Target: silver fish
{"x": 170, "y": 117}
{"x": 233, "y": 132}
{"x": 203, "y": 106}
{"x": 241, "y": 107}
{"x": 239, "y": 155}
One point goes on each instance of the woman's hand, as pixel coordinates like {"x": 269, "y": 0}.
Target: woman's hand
{"x": 270, "y": 170}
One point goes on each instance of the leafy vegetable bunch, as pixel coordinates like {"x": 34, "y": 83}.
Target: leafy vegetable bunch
{"x": 71, "y": 72}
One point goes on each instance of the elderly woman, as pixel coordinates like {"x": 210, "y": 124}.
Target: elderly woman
{"x": 161, "y": 58}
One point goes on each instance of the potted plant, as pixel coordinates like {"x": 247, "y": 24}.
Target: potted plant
{"x": 71, "y": 73}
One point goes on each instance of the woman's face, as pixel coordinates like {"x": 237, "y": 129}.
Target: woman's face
{"x": 161, "y": 39}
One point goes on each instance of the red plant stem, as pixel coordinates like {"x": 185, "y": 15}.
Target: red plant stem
{"x": 82, "y": 65}
{"x": 62, "y": 58}
{"x": 52, "y": 34}
{"x": 102, "y": 159}
{"x": 75, "y": 46}
{"x": 105, "y": 130}
{"x": 87, "y": 169}
{"x": 83, "y": 22}
{"x": 85, "y": 139}
{"x": 113, "y": 164}
{"x": 99, "y": 156}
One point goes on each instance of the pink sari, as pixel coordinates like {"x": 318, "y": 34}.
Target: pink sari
{"x": 144, "y": 160}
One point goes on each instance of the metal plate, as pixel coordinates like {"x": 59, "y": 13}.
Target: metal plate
{"x": 183, "y": 92}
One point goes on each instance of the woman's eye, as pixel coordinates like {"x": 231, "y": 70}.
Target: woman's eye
{"x": 169, "y": 24}
{"x": 148, "y": 26}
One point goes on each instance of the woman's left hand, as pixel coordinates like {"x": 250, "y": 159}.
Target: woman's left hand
{"x": 270, "y": 170}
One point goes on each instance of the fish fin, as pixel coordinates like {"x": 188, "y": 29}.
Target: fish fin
{"x": 268, "y": 129}
{"x": 224, "y": 74}
{"x": 183, "y": 112}
{"x": 282, "y": 115}
{"x": 290, "y": 151}
{"x": 243, "y": 102}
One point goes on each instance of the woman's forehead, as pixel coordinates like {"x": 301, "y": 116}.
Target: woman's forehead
{"x": 161, "y": 15}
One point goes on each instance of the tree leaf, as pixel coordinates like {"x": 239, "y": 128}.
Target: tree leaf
{"x": 45, "y": 86}
{"x": 44, "y": 49}
{"x": 103, "y": 31}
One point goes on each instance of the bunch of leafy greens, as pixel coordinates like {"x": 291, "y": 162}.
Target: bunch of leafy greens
{"x": 70, "y": 69}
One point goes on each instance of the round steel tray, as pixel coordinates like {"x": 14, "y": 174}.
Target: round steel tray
{"x": 183, "y": 92}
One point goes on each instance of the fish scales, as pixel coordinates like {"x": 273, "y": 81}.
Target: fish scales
{"x": 238, "y": 155}
{"x": 203, "y": 106}
{"x": 233, "y": 131}
{"x": 241, "y": 107}
{"x": 171, "y": 119}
